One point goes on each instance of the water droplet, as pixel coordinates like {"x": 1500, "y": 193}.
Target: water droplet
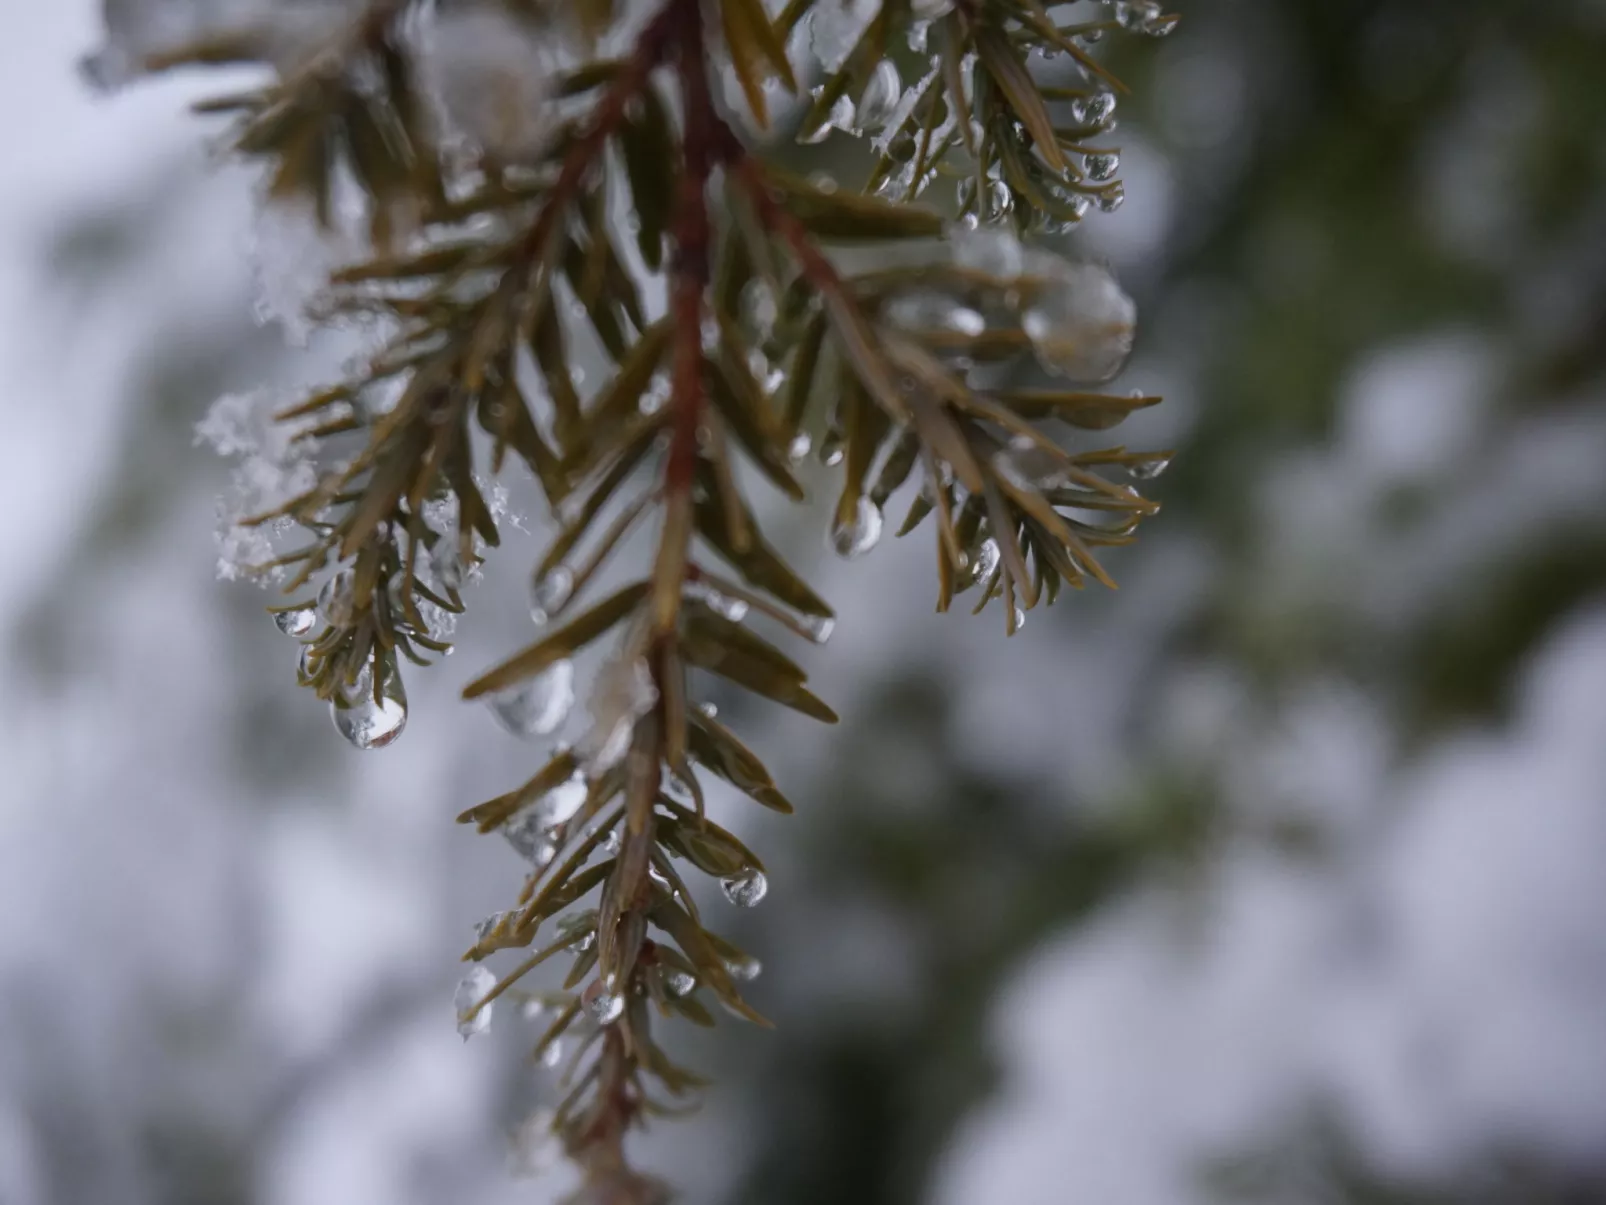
{"x": 1094, "y": 110}
{"x": 297, "y": 622}
{"x": 746, "y": 888}
{"x": 538, "y": 705}
{"x": 612, "y": 843}
{"x": 552, "y": 1053}
{"x": 1161, "y": 26}
{"x": 928, "y": 310}
{"x": 1081, "y": 323}
{"x": 995, "y": 252}
{"x": 818, "y": 627}
{"x": 679, "y": 983}
{"x": 1112, "y": 198}
{"x": 1020, "y": 618}
{"x": 336, "y": 601}
{"x": 985, "y": 562}
{"x": 708, "y": 709}
{"x": 492, "y": 924}
{"x": 1148, "y": 470}
{"x": 879, "y": 99}
{"x": 551, "y": 593}
{"x": 533, "y": 1009}
{"x": 470, "y": 991}
{"x": 603, "y": 1006}
{"x": 1101, "y": 165}
{"x": 365, "y": 723}
{"x": 854, "y": 539}
{"x": 534, "y": 830}
{"x": 831, "y": 449}
{"x": 746, "y": 968}
{"x": 726, "y": 607}
{"x": 799, "y": 447}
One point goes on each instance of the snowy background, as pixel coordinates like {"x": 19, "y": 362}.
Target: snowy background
{"x": 1274, "y": 878}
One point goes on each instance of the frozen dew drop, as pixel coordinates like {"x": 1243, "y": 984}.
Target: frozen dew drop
{"x": 1096, "y": 109}
{"x": 535, "y": 829}
{"x": 1112, "y": 198}
{"x": 297, "y": 621}
{"x": 491, "y": 924}
{"x": 1081, "y": 323}
{"x": 550, "y": 593}
{"x": 818, "y": 627}
{"x": 1020, "y": 618}
{"x": 679, "y": 983}
{"x": 1161, "y": 25}
{"x": 746, "y": 888}
{"x": 1101, "y": 166}
{"x": 928, "y": 310}
{"x": 711, "y": 710}
{"x": 880, "y": 98}
{"x": 473, "y": 988}
{"x": 1000, "y": 197}
{"x": 604, "y": 1007}
{"x": 552, "y": 1053}
{"x": 726, "y": 607}
{"x": 985, "y": 561}
{"x": 612, "y": 843}
{"x": 799, "y": 447}
{"x": 995, "y": 252}
{"x": 368, "y": 724}
{"x": 854, "y": 539}
{"x": 1148, "y": 470}
{"x": 1135, "y": 14}
{"x": 831, "y": 449}
{"x": 538, "y": 705}
{"x": 336, "y": 601}
{"x": 746, "y": 968}
{"x": 919, "y": 36}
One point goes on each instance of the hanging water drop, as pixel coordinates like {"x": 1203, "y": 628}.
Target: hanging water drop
{"x": 297, "y": 621}
{"x": 1111, "y": 198}
{"x": 799, "y": 447}
{"x": 708, "y": 709}
{"x": 603, "y": 1006}
{"x": 879, "y": 99}
{"x": 1101, "y": 165}
{"x": 368, "y": 724}
{"x": 678, "y": 983}
{"x": 1080, "y": 323}
{"x": 1096, "y": 109}
{"x": 336, "y": 600}
{"x": 538, "y": 705}
{"x": 746, "y": 968}
{"x": 818, "y": 627}
{"x": 470, "y": 991}
{"x": 550, "y": 593}
{"x": 1148, "y": 470}
{"x": 612, "y": 843}
{"x": 831, "y": 449}
{"x": 552, "y": 1054}
{"x": 854, "y": 539}
{"x": 746, "y": 888}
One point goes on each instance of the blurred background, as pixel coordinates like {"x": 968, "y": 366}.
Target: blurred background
{"x": 1274, "y": 878}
